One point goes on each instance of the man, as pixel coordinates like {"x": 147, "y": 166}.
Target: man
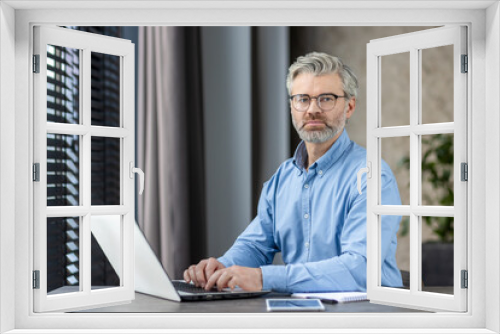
{"x": 310, "y": 209}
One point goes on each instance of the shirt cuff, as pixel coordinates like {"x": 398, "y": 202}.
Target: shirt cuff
{"x": 224, "y": 261}
{"x": 274, "y": 278}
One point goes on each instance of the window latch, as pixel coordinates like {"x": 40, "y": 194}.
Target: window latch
{"x": 134, "y": 170}
{"x": 368, "y": 171}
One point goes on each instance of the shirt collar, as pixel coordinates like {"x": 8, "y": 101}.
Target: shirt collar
{"x": 327, "y": 160}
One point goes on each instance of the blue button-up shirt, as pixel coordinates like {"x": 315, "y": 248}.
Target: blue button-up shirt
{"x": 317, "y": 219}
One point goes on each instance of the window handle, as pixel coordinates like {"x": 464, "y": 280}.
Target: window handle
{"x": 367, "y": 170}
{"x": 139, "y": 171}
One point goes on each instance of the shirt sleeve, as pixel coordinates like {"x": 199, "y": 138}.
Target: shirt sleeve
{"x": 255, "y": 246}
{"x": 346, "y": 272}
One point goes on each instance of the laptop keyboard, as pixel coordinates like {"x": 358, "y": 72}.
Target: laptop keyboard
{"x": 191, "y": 288}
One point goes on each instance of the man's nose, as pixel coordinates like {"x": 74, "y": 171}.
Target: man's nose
{"x": 313, "y": 107}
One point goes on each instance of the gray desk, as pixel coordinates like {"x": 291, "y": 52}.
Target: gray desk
{"x": 148, "y": 304}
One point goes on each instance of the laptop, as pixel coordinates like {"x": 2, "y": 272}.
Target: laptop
{"x": 150, "y": 277}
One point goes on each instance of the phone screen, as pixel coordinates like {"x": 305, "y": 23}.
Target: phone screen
{"x": 294, "y": 305}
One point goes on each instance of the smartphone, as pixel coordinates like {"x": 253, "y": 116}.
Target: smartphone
{"x": 287, "y": 305}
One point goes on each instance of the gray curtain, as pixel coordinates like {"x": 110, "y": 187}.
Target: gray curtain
{"x": 271, "y": 123}
{"x": 169, "y": 145}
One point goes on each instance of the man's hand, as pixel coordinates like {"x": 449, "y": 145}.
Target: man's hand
{"x": 201, "y": 272}
{"x": 249, "y": 279}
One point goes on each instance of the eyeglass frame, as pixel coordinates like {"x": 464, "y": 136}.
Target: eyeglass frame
{"x": 317, "y": 101}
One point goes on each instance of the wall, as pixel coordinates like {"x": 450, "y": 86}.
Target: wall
{"x": 270, "y": 109}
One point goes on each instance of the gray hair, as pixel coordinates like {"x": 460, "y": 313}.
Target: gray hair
{"x": 319, "y": 63}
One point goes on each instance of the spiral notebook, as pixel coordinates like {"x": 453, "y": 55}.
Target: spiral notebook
{"x": 335, "y": 297}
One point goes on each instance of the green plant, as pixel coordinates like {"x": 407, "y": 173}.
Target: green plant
{"x": 437, "y": 170}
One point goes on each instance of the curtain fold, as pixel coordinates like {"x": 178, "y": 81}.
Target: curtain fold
{"x": 169, "y": 145}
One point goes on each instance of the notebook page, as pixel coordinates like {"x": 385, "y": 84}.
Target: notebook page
{"x": 339, "y": 297}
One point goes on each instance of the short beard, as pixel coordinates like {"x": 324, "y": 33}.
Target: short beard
{"x": 327, "y": 134}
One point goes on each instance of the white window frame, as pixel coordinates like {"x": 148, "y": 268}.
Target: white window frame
{"x": 483, "y": 263}
{"x": 86, "y": 43}
{"x": 414, "y": 43}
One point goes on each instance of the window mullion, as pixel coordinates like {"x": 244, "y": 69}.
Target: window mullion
{"x": 373, "y": 157}
{"x": 85, "y": 241}
{"x": 421, "y": 129}
{"x": 100, "y": 210}
{"x": 109, "y": 132}
{"x": 415, "y": 174}
{"x": 66, "y": 129}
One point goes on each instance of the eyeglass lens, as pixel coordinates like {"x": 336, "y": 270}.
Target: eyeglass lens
{"x": 325, "y": 102}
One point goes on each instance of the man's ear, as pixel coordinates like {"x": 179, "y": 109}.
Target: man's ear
{"x": 351, "y": 107}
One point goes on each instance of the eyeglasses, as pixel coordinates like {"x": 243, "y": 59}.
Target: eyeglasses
{"x": 326, "y": 102}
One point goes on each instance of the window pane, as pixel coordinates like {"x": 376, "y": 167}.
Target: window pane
{"x": 437, "y": 254}
{"x": 63, "y": 84}
{"x": 106, "y": 251}
{"x": 395, "y": 89}
{"x": 437, "y": 170}
{"x": 105, "y": 171}
{"x": 395, "y": 251}
{"x": 63, "y": 255}
{"x": 105, "y": 88}
{"x": 437, "y": 84}
{"x": 63, "y": 170}
{"x": 396, "y": 153}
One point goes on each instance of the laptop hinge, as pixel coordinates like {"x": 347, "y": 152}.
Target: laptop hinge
{"x": 36, "y": 279}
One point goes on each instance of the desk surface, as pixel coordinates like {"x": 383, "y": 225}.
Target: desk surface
{"x": 148, "y": 304}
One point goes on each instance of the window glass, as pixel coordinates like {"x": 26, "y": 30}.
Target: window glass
{"x": 105, "y": 89}
{"x": 105, "y": 170}
{"x": 395, "y": 77}
{"x": 437, "y": 170}
{"x": 63, "y": 84}
{"x": 402, "y": 245}
{"x": 396, "y": 153}
{"x": 437, "y": 254}
{"x": 437, "y": 90}
{"x": 63, "y": 255}
{"x": 106, "y": 251}
{"x": 63, "y": 170}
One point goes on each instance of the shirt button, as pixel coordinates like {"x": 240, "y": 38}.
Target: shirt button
{"x": 306, "y": 185}
{"x": 320, "y": 172}
{"x": 307, "y": 245}
{"x": 306, "y": 216}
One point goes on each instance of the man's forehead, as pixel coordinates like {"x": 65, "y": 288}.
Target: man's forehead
{"x": 311, "y": 79}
